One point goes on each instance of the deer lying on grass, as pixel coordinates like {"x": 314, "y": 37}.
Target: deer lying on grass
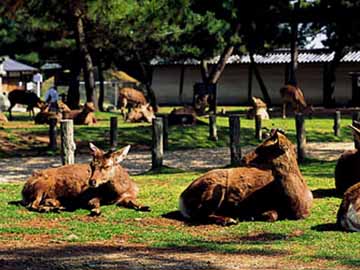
{"x": 69, "y": 187}
{"x": 84, "y": 116}
{"x": 270, "y": 186}
{"x": 141, "y": 113}
{"x": 348, "y": 216}
{"x": 293, "y": 95}
{"x": 182, "y": 116}
{"x": 259, "y": 108}
{"x": 347, "y": 171}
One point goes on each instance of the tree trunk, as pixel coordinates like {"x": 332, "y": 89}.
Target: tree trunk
{"x": 330, "y": 78}
{"x": 204, "y": 69}
{"x": 257, "y": 74}
{"x": 181, "y": 86}
{"x": 85, "y": 55}
{"x": 101, "y": 87}
{"x": 293, "y": 55}
{"x": 73, "y": 96}
{"x": 148, "y": 80}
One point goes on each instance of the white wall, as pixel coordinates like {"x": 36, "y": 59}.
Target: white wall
{"x": 233, "y": 84}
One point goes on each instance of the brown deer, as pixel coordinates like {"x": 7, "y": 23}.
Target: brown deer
{"x": 141, "y": 113}
{"x": 259, "y": 108}
{"x": 69, "y": 187}
{"x": 130, "y": 98}
{"x": 28, "y": 98}
{"x": 348, "y": 216}
{"x": 293, "y": 95}
{"x": 268, "y": 187}
{"x": 182, "y": 116}
{"x": 347, "y": 172}
{"x": 84, "y": 116}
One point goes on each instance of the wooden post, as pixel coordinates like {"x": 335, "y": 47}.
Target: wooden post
{"x": 235, "y": 150}
{"x": 337, "y": 120}
{"x": 258, "y": 126}
{"x": 212, "y": 128}
{"x": 165, "y": 119}
{"x": 157, "y": 150}
{"x": 113, "y": 132}
{"x": 67, "y": 142}
{"x": 52, "y": 134}
{"x": 356, "y": 118}
{"x": 300, "y": 137}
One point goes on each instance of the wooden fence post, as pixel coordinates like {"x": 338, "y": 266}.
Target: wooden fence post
{"x": 337, "y": 120}
{"x": 52, "y": 134}
{"x": 165, "y": 119}
{"x": 212, "y": 128}
{"x": 258, "y": 127}
{"x": 300, "y": 137}
{"x": 113, "y": 132}
{"x": 235, "y": 150}
{"x": 67, "y": 142}
{"x": 157, "y": 149}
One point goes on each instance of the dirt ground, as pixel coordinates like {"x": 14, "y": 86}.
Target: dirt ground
{"x": 20, "y": 168}
{"x": 41, "y": 252}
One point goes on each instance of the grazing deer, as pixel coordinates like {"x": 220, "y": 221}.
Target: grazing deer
{"x": 103, "y": 181}
{"x": 293, "y": 95}
{"x": 28, "y": 98}
{"x": 130, "y": 98}
{"x": 268, "y": 187}
{"x": 348, "y": 216}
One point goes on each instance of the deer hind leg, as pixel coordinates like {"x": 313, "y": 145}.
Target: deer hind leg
{"x": 9, "y": 110}
{"x": 94, "y": 205}
{"x": 123, "y": 105}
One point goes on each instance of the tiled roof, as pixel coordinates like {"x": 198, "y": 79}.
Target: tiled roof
{"x": 279, "y": 57}
{"x": 11, "y": 65}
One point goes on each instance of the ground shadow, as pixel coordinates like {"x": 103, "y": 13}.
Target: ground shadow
{"x": 326, "y": 227}
{"x": 323, "y": 193}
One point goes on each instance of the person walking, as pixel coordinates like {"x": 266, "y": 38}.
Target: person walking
{"x": 51, "y": 97}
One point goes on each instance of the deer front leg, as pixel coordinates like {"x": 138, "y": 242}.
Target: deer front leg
{"x": 221, "y": 220}
{"x": 131, "y": 204}
{"x": 94, "y": 205}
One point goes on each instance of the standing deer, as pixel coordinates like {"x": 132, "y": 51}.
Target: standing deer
{"x": 28, "y": 98}
{"x": 269, "y": 187}
{"x": 130, "y": 98}
{"x": 293, "y": 95}
{"x": 103, "y": 181}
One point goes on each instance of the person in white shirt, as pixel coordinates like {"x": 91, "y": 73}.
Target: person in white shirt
{"x": 51, "y": 97}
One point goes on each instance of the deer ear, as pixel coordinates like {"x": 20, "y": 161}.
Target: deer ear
{"x": 94, "y": 150}
{"x": 121, "y": 154}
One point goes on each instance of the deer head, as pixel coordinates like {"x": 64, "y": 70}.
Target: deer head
{"x": 103, "y": 165}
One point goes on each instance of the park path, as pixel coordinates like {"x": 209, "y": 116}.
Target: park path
{"x": 137, "y": 162}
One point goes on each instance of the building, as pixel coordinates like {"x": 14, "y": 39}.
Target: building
{"x": 16, "y": 74}
{"x": 232, "y": 88}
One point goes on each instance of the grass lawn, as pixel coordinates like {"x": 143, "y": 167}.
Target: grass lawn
{"x": 295, "y": 242}
{"x": 314, "y": 241}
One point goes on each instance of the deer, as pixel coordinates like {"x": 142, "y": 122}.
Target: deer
{"x": 347, "y": 172}
{"x": 130, "y": 98}
{"x": 259, "y": 107}
{"x": 268, "y": 186}
{"x": 293, "y": 95}
{"x": 102, "y": 182}
{"x": 142, "y": 112}
{"x": 84, "y": 116}
{"x": 28, "y": 98}
{"x": 348, "y": 216}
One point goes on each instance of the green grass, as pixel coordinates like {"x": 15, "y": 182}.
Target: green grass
{"x": 304, "y": 241}
{"x": 317, "y": 130}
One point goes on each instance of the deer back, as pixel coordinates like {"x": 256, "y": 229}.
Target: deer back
{"x": 132, "y": 95}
